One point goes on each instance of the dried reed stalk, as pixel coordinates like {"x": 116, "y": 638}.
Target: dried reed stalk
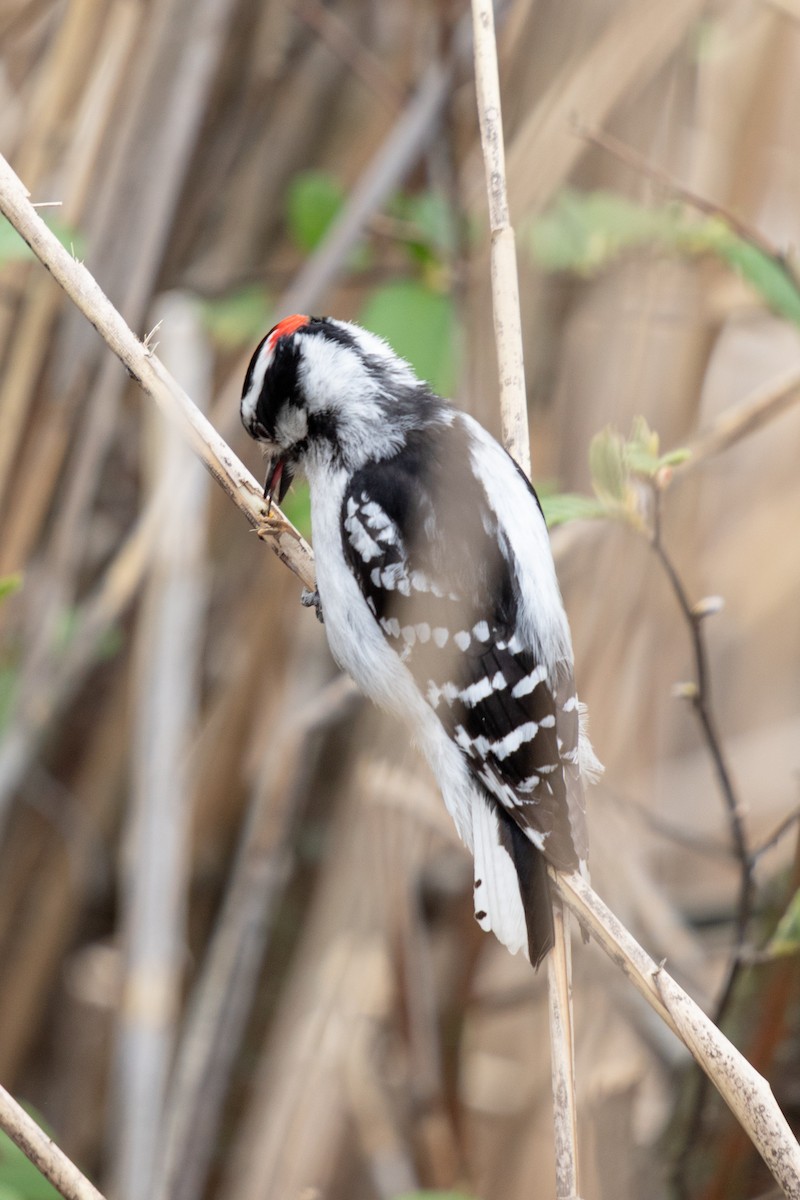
{"x": 155, "y": 892}
{"x": 505, "y": 287}
{"x": 747, "y": 1093}
{"x": 514, "y": 419}
{"x": 44, "y": 1153}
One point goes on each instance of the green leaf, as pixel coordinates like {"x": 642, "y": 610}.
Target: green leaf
{"x": 641, "y": 449}
{"x": 433, "y": 225}
{"x": 296, "y": 508}
{"x": 608, "y": 467}
{"x": 9, "y": 681}
{"x": 314, "y": 201}
{"x": 69, "y": 625}
{"x": 19, "y": 1178}
{"x": 10, "y": 584}
{"x": 561, "y": 507}
{"x": 615, "y": 464}
{"x": 786, "y": 939}
{"x": 641, "y": 454}
{"x": 769, "y": 277}
{"x": 673, "y": 458}
{"x": 428, "y": 1195}
{"x": 239, "y": 318}
{"x": 13, "y": 247}
{"x": 420, "y": 325}
{"x": 585, "y": 231}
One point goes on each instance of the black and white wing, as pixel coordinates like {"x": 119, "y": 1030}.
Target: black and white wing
{"x": 430, "y": 560}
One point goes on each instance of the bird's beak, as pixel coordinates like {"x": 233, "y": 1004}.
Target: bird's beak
{"x": 278, "y": 481}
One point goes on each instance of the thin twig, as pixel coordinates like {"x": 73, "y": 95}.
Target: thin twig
{"x": 747, "y": 1093}
{"x": 700, "y": 696}
{"x": 777, "y": 833}
{"x": 759, "y": 408}
{"x": 43, "y": 1152}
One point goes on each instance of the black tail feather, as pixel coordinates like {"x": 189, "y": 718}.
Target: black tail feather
{"x": 534, "y": 887}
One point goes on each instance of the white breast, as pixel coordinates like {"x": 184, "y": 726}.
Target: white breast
{"x": 360, "y": 648}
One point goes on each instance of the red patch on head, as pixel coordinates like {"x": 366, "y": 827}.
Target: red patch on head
{"x": 287, "y": 326}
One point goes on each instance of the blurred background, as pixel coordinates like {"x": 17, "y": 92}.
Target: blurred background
{"x": 237, "y": 949}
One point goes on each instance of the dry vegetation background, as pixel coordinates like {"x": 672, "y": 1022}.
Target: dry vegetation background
{"x": 237, "y": 956}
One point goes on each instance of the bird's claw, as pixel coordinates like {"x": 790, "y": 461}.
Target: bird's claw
{"x": 311, "y": 599}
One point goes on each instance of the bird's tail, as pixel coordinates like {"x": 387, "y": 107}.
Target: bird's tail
{"x": 512, "y": 890}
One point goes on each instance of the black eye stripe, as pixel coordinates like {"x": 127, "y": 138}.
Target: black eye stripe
{"x": 279, "y": 388}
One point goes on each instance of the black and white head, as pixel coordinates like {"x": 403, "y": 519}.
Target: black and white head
{"x": 324, "y": 392}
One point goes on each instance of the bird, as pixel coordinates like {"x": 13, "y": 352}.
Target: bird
{"x": 436, "y": 585}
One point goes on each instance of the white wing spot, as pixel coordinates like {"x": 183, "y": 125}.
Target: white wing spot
{"x": 529, "y": 784}
{"x": 409, "y": 635}
{"x": 570, "y": 704}
{"x": 512, "y": 741}
{"x": 479, "y": 745}
{"x": 482, "y": 688}
{"x": 481, "y": 631}
{"x": 393, "y": 577}
{"x": 360, "y": 540}
{"x": 476, "y": 692}
{"x": 440, "y": 636}
{"x": 423, "y": 631}
{"x": 525, "y": 686}
{"x": 462, "y": 639}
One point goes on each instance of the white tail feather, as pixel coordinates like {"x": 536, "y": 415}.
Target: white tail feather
{"x": 498, "y": 904}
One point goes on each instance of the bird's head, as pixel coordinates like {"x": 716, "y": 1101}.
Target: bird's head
{"x": 321, "y": 391}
